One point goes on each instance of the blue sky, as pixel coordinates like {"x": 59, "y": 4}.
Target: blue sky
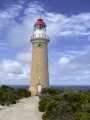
{"x": 68, "y": 26}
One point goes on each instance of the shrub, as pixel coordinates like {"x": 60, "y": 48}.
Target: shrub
{"x": 9, "y": 95}
{"x": 50, "y": 105}
{"x": 49, "y": 90}
{"x": 68, "y": 105}
{"x": 23, "y": 92}
{"x": 45, "y": 96}
{"x": 2, "y": 103}
{"x": 42, "y": 106}
{"x": 8, "y": 103}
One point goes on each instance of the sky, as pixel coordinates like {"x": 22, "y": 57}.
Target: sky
{"x": 68, "y": 27}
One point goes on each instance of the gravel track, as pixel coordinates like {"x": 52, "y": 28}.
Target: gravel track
{"x": 26, "y": 109}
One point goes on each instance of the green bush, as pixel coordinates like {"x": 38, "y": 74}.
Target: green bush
{"x": 23, "y": 92}
{"x": 2, "y": 103}
{"x": 66, "y": 105}
{"x": 79, "y": 115}
{"x": 51, "y": 104}
{"x": 49, "y": 90}
{"x": 45, "y": 96}
{"x": 42, "y": 106}
{"x": 8, "y": 103}
{"x": 9, "y": 95}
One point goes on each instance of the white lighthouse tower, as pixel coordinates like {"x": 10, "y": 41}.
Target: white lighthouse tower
{"x": 39, "y": 77}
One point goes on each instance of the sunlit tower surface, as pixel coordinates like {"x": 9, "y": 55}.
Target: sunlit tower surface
{"x": 39, "y": 77}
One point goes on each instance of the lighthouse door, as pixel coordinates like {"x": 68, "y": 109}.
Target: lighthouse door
{"x": 39, "y": 88}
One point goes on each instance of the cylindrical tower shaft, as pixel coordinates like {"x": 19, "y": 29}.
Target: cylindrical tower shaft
{"x": 39, "y": 68}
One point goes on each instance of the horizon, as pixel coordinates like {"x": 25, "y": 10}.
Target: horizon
{"x": 49, "y": 85}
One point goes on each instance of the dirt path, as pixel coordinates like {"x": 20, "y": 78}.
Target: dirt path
{"x": 26, "y": 109}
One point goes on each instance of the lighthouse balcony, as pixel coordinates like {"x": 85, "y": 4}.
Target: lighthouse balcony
{"x": 39, "y": 36}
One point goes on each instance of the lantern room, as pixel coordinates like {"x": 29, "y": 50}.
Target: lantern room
{"x": 40, "y": 25}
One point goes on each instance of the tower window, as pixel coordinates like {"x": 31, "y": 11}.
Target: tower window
{"x": 40, "y": 45}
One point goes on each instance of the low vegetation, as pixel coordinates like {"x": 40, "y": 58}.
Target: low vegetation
{"x": 66, "y": 104}
{"x": 9, "y": 95}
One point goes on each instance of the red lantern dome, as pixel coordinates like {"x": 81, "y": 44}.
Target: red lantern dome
{"x": 40, "y": 21}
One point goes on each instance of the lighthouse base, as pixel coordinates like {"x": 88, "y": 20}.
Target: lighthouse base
{"x": 36, "y": 90}
{"x": 38, "y": 94}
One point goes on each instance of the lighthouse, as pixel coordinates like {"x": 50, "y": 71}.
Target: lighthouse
{"x": 39, "y": 77}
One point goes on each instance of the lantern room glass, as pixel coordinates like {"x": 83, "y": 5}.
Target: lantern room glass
{"x": 39, "y": 27}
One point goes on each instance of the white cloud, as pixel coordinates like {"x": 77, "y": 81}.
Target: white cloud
{"x": 34, "y": 8}
{"x": 68, "y": 26}
{"x": 13, "y": 72}
{"x": 3, "y": 46}
{"x": 78, "y": 66}
{"x": 83, "y": 58}
{"x": 63, "y": 60}
{"x": 24, "y": 57}
{"x": 13, "y": 11}
{"x": 15, "y": 35}
{"x": 6, "y": 16}
{"x": 10, "y": 66}
{"x": 81, "y": 17}
{"x": 75, "y": 52}
{"x": 55, "y": 17}
{"x": 73, "y": 67}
